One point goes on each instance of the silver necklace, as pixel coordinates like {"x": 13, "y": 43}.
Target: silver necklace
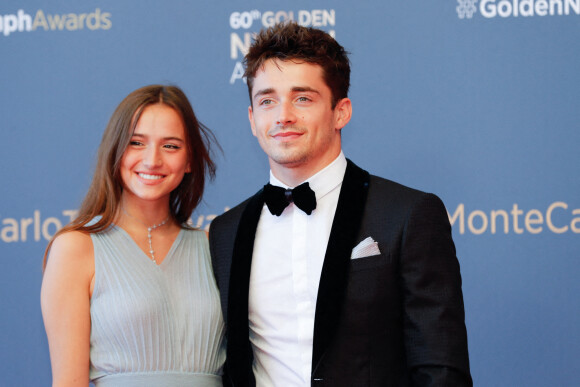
{"x": 149, "y": 229}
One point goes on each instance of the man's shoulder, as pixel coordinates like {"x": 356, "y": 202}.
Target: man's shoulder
{"x": 234, "y": 214}
{"x": 389, "y": 192}
{"x": 380, "y": 183}
{"x": 231, "y": 214}
{"x": 393, "y": 187}
{"x": 392, "y": 196}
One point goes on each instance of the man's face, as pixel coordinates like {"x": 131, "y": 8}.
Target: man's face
{"x": 292, "y": 117}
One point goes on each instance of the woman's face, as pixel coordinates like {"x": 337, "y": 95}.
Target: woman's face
{"x": 156, "y": 158}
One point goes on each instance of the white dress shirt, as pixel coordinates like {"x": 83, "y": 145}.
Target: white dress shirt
{"x": 286, "y": 265}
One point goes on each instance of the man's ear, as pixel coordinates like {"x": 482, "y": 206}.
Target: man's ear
{"x": 251, "y": 118}
{"x": 342, "y": 113}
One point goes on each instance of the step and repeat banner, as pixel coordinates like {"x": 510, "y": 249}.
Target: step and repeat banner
{"x": 477, "y": 101}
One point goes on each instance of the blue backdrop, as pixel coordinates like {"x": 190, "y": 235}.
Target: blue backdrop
{"x": 476, "y": 101}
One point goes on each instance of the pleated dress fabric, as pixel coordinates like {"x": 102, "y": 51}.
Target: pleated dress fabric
{"x": 155, "y": 325}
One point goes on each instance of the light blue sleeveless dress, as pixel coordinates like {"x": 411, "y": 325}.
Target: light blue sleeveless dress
{"x": 155, "y": 325}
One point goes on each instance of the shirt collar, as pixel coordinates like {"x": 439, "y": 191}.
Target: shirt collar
{"x": 324, "y": 180}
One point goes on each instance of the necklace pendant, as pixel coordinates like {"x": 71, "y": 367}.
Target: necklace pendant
{"x": 149, "y": 229}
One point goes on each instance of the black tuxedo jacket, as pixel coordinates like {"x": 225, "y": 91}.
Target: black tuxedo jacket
{"x": 394, "y": 319}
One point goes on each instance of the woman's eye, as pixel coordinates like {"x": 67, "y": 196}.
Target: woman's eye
{"x": 135, "y": 143}
{"x": 172, "y": 146}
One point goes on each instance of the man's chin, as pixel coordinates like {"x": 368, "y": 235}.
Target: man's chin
{"x": 290, "y": 161}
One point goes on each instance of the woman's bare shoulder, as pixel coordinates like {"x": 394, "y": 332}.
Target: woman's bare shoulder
{"x": 72, "y": 248}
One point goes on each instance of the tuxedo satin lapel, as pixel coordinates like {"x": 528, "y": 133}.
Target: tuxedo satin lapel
{"x": 345, "y": 227}
{"x": 239, "y": 351}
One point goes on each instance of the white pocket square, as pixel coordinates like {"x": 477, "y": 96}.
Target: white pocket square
{"x": 367, "y": 248}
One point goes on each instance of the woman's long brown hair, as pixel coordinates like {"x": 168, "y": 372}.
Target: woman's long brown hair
{"x": 104, "y": 195}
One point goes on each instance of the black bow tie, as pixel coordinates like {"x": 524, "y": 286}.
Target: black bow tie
{"x": 278, "y": 198}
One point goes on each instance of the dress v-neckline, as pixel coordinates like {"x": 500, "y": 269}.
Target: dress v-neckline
{"x": 144, "y": 254}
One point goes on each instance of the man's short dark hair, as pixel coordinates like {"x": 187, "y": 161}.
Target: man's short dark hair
{"x": 290, "y": 41}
